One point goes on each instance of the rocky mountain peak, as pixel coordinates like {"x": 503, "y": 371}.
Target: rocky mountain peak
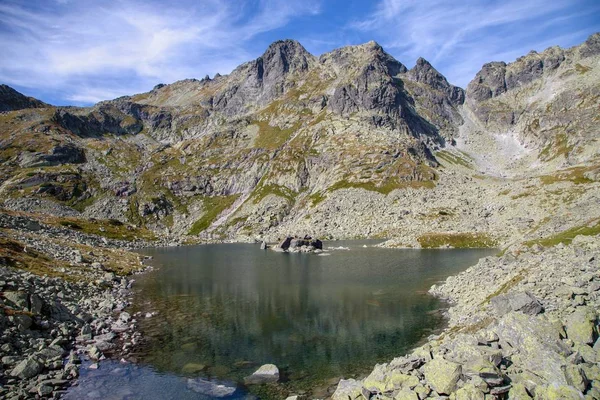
{"x": 285, "y": 56}
{"x": 424, "y": 72}
{"x": 11, "y": 100}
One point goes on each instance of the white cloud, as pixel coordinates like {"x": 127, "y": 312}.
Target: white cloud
{"x": 458, "y": 37}
{"x": 91, "y": 51}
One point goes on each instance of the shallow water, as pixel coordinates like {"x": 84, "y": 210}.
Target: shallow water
{"x": 229, "y": 308}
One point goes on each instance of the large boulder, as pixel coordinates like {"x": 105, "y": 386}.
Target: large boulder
{"x": 285, "y": 244}
{"x": 347, "y": 389}
{"x": 27, "y": 368}
{"x": 534, "y": 345}
{"x": 517, "y": 301}
{"x": 267, "y": 373}
{"x": 17, "y": 300}
{"x": 442, "y": 375}
{"x": 581, "y": 326}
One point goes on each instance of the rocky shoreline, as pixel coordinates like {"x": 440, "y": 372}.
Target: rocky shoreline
{"x": 63, "y": 296}
{"x": 523, "y": 325}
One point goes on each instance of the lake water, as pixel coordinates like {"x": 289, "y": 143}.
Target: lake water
{"x": 223, "y": 310}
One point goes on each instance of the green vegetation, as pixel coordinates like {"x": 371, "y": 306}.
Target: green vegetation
{"x": 559, "y": 146}
{"x": 505, "y": 287}
{"x": 575, "y": 175}
{"x": 582, "y": 69}
{"x": 111, "y": 228}
{"x": 317, "y": 198}
{"x": 567, "y": 236}
{"x": 456, "y": 240}
{"x": 452, "y": 158}
{"x": 263, "y": 191}
{"x": 272, "y": 137}
{"x": 213, "y": 207}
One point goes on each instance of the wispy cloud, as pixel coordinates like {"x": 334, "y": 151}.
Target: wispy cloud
{"x": 84, "y": 52}
{"x": 458, "y": 37}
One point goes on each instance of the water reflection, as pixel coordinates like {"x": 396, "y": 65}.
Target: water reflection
{"x": 229, "y": 308}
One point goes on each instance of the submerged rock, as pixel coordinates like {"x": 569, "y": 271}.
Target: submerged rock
{"x": 210, "y": 388}
{"x": 268, "y": 373}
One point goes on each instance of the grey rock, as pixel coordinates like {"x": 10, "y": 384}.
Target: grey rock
{"x": 267, "y": 373}
{"x": 27, "y": 368}
{"x": 524, "y": 302}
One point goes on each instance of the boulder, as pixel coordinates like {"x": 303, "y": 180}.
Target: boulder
{"x": 347, "y": 389}
{"x": 193, "y": 368}
{"x": 535, "y": 344}
{"x": 469, "y": 392}
{"x": 267, "y": 373}
{"x": 285, "y": 244}
{"x": 263, "y": 245}
{"x": 406, "y": 394}
{"x": 27, "y": 368}
{"x": 442, "y": 375}
{"x": 517, "y": 301}
{"x": 18, "y": 300}
{"x": 580, "y": 326}
{"x": 317, "y": 244}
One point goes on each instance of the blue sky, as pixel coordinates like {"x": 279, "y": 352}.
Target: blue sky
{"x": 81, "y": 51}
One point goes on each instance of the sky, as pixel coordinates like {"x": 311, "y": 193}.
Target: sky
{"x": 79, "y": 52}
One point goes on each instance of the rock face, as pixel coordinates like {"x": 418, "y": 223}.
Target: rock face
{"x": 267, "y": 373}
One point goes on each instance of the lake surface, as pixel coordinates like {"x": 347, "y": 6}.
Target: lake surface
{"x": 223, "y": 310}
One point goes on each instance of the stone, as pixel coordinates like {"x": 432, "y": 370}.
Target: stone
{"x": 576, "y": 377}
{"x": 347, "y": 389}
{"x": 27, "y": 368}
{"x": 442, "y": 375}
{"x": 396, "y": 379}
{"x": 524, "y": 302}
{"x": 518, "y": 391}
{"x": 263, "y": 245}
{"x": 94, "y": 353}
{"x": 18, "y": 300}
{"x": 267, "y": 373}
{"x": 376, "y": 381}
{"x": 536, "y": 345}
{"x": 469, "y": 392}
{"x": 558, "y": 392}
{"x": 193, "y": 368}
{"x": 210, "y": 388}
{"x": 406, "y": 394}
{"x": 580, "y": 326}
{"x": 44, "y": 390}
{"x": 285, "y": 244}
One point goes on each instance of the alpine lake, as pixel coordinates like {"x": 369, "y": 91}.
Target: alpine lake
{"x": 212, "y": 314}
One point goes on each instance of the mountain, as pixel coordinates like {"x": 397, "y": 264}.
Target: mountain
{"x": 11, "y": 100}
{"x": 349, "y": 144}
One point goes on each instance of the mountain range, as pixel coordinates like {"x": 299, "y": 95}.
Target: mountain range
{"x": 351, "y": 144}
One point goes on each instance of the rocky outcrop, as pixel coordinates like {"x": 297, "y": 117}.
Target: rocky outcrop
{"x": 295, "y": 244}
{"x": 67, "y": 153}
{"x": 11, "y": 100}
